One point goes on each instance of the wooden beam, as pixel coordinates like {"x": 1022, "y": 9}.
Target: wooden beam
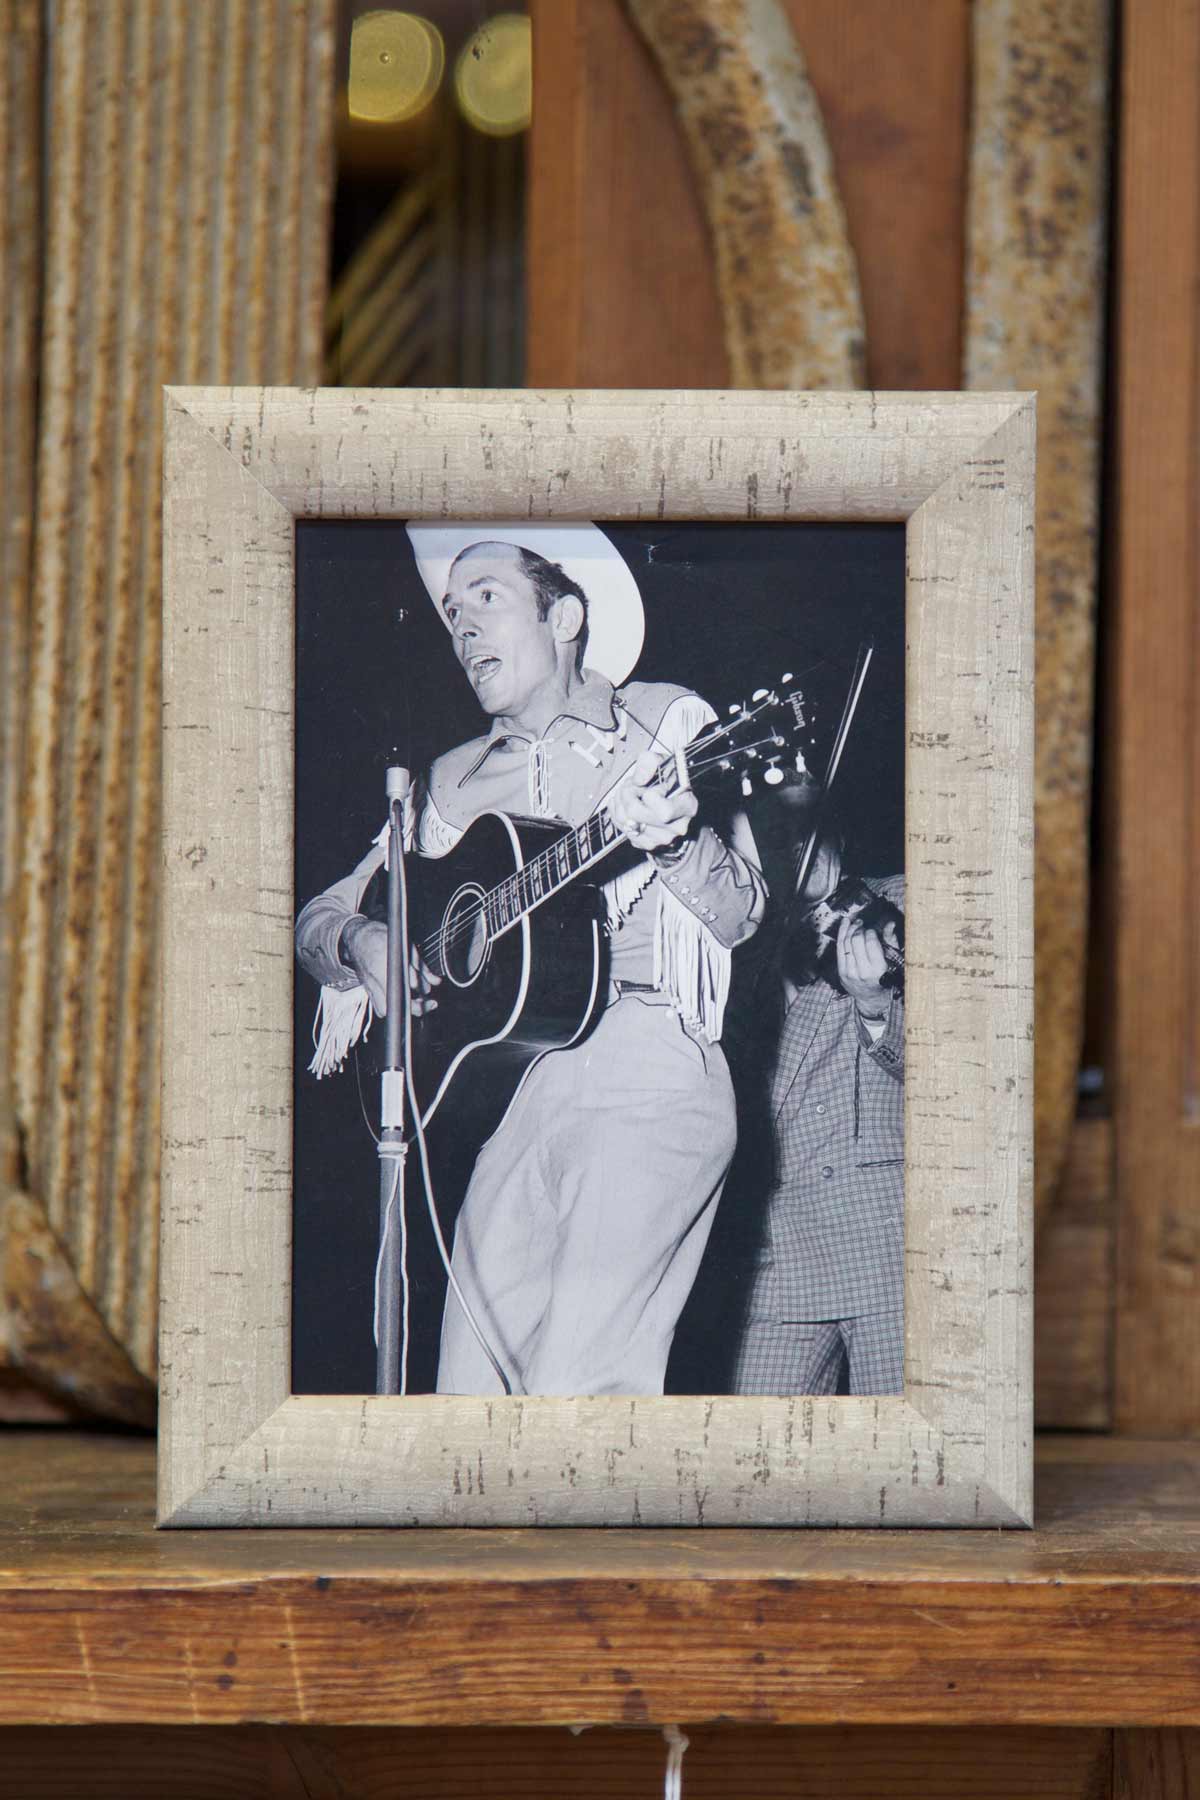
{"x": 1156, "y": 1765}
{"x": 1073, "y": 1293}
{"x": 895, "y": 104}
{"x": 1156, "y": 752}
{"x": 621, "y": 290}
{"x": 314, "y": 1763}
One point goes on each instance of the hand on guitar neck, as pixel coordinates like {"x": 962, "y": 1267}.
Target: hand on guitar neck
{"x": 651, "y": 817}
{"x": 363, "y": 947}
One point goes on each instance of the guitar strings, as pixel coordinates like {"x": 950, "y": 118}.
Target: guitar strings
{"x": 470, "y": 917}
{"x": 543, "y": 862}
{"x": 468, "y": 920}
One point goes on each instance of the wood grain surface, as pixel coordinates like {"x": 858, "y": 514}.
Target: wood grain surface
{"x": 1073, "y": 1288}
{"x": 955, "y": 1448}
{"x": 1155, "y": 758}
{"x": 1156, "y": 1765}
{"x": 610, "y": 1763}
{"x": 1093, "y": 1619}
{"x": 1035, "y": 317}
{"x": 620, "y": 290}
{"x": 622, "y": 287}
{"x": 188, "y": 174}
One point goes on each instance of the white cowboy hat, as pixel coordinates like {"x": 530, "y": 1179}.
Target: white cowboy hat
{"x": 616, "y": 621}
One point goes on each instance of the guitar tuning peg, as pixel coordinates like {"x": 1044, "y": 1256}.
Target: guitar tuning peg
{"x": 773, "y": 775}
{"x": 788, "y": 677}
{"x": 759, "y": 694}
{"x": 747, "y": 786}
{"x": 735, "y": 708}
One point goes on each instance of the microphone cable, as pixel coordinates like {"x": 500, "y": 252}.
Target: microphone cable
{"x": 423, "y": 1148}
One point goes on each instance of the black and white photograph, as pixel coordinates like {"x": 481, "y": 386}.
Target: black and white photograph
{"x": 599, "y": 999}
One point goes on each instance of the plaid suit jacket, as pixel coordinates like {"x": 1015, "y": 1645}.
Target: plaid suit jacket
{"x": 834, "y": 1244}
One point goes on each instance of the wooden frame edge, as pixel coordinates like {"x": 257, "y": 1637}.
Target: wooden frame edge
{"x": 1002, "y": 1481}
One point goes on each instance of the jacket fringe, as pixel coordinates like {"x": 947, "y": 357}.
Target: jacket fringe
{"x": 691, "y": 966}
{"x": 344, "y": 1015}
{"x": 623, "y": 892}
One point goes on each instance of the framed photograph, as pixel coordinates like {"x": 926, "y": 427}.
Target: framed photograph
{"x": 598, "y": 990}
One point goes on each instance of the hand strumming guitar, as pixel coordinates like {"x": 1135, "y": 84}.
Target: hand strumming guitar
{"x": 364, "y": 947}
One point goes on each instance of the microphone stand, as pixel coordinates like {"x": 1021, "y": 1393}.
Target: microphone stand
{"x": 390, "y": 1378}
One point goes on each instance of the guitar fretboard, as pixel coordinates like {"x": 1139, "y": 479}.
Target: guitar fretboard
{"x": 549, "y": 870}
{"x": 584, "y": 845}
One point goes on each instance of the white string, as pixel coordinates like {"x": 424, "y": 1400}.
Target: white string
{"x": 673, "y": 1778}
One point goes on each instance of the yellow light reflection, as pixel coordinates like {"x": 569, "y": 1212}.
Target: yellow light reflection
{"x": 396, "y": 64}
{"x": 493, "y": 77}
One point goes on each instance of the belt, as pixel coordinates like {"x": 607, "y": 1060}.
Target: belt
{"x": 635, "y": 987}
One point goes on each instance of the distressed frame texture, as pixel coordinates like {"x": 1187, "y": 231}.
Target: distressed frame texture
{"x": 236, "y": 1447}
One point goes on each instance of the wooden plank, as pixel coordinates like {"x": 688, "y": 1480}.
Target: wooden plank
{"x": 1073, "y": 1289}
{"x": 894, "y": 101}
{"x": 1156, "y": 1765}
{"x": 1093, "y": 1619}
{"x": 270, "y": 1763}
{"x": 1155, "y": 656}
{"x": 622, "y": 291}
{"x": 189, "y": 176}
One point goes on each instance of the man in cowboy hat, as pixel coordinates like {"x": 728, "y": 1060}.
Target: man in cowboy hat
{"x": 588, "y": 1210}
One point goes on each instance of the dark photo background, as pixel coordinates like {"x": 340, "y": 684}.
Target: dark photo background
{"x": 729, "y": 608}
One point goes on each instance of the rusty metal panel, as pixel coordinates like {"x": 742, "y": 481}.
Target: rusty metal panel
{"x": 190, "y": 158}
{"x": 1035, "y": 303}
{"x": 20, "y": 189}
{"x": 786, "y": 273}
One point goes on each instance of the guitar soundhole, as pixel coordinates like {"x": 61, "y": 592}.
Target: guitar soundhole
{"x": 465, "y": 939}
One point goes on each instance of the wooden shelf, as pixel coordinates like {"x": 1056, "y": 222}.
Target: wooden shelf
{"x": 1093, "y": 1618}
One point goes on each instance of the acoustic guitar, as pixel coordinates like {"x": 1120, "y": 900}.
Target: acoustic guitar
{"x": 510, "y": 919}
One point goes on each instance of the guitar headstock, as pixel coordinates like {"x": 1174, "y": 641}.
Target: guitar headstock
{"x": 767, "y": 738}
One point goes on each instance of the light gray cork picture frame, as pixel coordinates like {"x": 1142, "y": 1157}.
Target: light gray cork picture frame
{"x": 237, "y": 1448}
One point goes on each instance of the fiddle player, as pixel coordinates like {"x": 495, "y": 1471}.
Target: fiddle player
{"x": 826, "y": 1306}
